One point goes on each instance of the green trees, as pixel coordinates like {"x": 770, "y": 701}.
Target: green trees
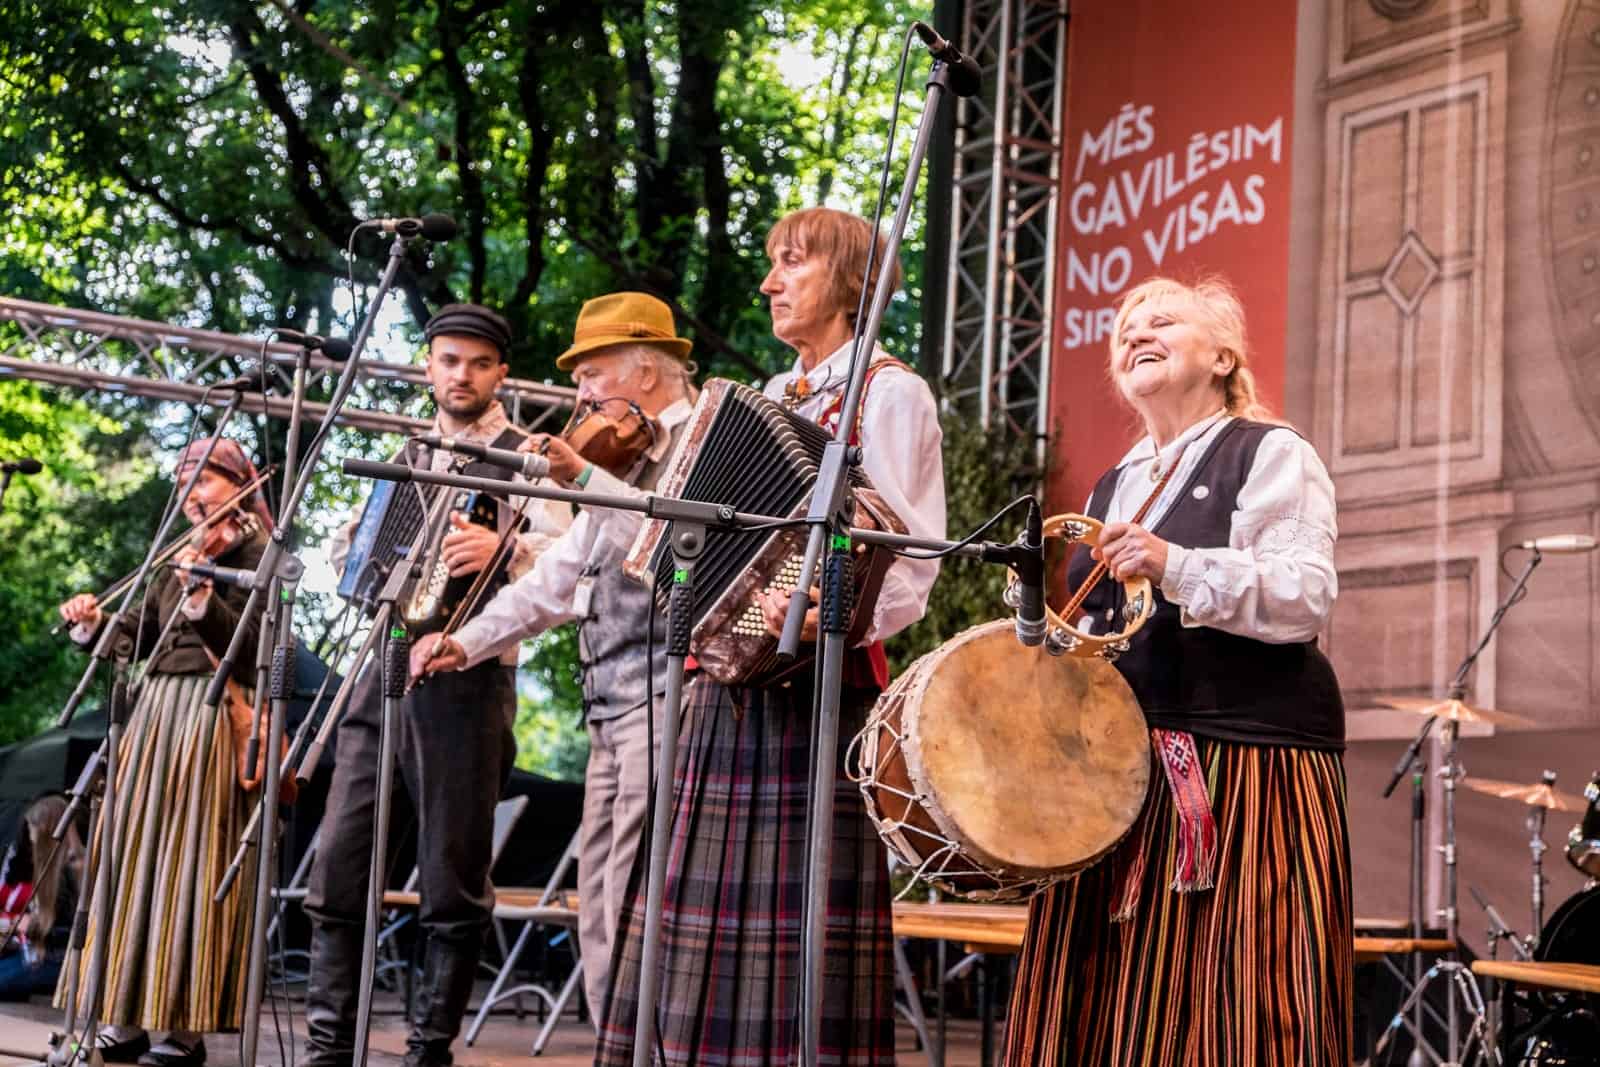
{"x": 87, "y": 516}
{"x": 206, "y": 160}
{"x": 203, "y": 162}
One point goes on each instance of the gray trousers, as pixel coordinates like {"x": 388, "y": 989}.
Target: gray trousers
{"x": 616, "y": 787}
{"x": 455, "y": 752}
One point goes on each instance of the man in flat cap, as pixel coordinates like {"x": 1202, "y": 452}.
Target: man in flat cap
{"x": 625, "y": 352}
{"x": 455, "y": 746}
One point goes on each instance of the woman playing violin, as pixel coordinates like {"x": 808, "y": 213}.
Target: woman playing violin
{"x": 176, "y": 960}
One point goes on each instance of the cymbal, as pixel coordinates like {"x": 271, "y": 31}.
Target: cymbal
{"x": 1458, "y": 710}
{"x": 1541, "y": 795}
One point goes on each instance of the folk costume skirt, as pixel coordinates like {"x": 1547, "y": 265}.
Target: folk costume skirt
{"x": 1255, "y": 972}
{"x": 735, "y": 893}
{"x": 176, "y": 960}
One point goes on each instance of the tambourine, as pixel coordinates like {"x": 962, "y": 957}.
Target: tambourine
{"x": 1061, "y": 637}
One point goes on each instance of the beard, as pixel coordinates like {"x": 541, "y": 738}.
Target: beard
{"x": 460, "y": 407}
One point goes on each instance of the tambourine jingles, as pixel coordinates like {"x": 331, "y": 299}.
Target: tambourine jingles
{"x": 611, "y": 433}
{"x": 1061, "y": 636}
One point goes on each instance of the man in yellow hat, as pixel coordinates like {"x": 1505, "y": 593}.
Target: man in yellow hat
{"x": 625, "y": 355}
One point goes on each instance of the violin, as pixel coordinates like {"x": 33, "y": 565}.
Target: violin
{"x": 611, "y": 433}
{"x": 220, "y": 533}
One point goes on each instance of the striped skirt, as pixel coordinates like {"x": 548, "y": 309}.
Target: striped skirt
{"x": 735, "y": 889}
{"x": 176, "y": 961}
{"x": 1253, "y": 973}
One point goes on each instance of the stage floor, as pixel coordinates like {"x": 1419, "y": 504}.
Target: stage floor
{"x": 504, "y": 1039}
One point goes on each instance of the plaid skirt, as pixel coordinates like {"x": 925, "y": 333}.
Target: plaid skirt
{"x": 1256, "y": 972}
{"x": 176, "y": 961}
{"x": 735, "y": 892}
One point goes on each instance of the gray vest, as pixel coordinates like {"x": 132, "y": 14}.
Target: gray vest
{"x": 612, "y": 636}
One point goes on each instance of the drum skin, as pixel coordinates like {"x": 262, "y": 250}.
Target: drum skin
{"x": 1030, "y": 766}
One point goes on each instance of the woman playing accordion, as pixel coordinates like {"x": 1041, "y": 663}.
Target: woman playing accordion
{"x": 735, "y": 886}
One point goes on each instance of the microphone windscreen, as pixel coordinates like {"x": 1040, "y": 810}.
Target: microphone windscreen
{"x": 438, "y": 227}
{"x": 336, "y": 348}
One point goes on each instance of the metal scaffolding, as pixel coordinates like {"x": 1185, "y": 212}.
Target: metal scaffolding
{"x": 110, "y": 353}
{"x": 998, "y": 330}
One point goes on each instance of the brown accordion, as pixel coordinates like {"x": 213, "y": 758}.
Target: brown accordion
{"x": 743, "y": 450}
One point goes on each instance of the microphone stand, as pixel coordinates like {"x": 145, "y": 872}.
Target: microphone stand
{"x": 277, "y": 575}
{"x": 1459, "y": 978}
{"x": 395, "y": 664}
{"x": 829, "y": 525}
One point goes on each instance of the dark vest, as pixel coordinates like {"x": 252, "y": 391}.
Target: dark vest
{"x": 613, "y": 635}
{"x": 1210, "y": 683}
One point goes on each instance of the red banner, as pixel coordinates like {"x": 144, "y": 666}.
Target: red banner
{"x": 1176, "y": 162}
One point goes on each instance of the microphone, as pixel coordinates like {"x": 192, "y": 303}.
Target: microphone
{"x": 528, "y": 464}
{"x": 433, "y": 227}
{"x": 230, "y": 575}
{"x": 965, "y": 77}
{"x": 1030, "y": 581}
{"x": 335, "y": 348}
{"x": 254, "y": 382}
{"x": 1561, "y": 544}
{"x": 22, "y": 466}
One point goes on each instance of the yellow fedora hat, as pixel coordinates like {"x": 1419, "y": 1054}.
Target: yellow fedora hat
{"x": 623, "y": 318}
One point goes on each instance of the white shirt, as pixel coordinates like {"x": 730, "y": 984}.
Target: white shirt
{"x": 545, "y": 596}
{"x": 1275, "y": 581}
{"x": 902, "y": 457}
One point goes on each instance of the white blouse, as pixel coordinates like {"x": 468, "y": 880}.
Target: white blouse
{"x": 1276, "y": 580}
{"x": 902, "y": 455}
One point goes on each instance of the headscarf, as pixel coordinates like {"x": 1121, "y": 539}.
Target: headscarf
{"x": 227, "y": 459}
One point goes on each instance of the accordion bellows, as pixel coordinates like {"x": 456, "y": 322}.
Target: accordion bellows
{"x": 746, "y": 451}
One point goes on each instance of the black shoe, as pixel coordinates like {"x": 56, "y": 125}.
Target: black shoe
{"x": 331, "y": 987}
{"x": 125, "y": 1051}
{"x": 449, "y": 968}
{"x": 170, "y": 1053}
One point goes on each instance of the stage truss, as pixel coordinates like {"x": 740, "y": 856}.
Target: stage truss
{"x": 998, "y": 329}
{"x": 134, "y": 357}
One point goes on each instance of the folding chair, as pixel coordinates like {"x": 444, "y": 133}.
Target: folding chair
{"x": 552, "y": 908}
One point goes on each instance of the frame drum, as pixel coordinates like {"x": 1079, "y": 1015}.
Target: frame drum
{"x": 992, "y": 769}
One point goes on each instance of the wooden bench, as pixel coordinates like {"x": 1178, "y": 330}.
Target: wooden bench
{"x": 999, "y": 928}
{"x": 1572, "y": 977}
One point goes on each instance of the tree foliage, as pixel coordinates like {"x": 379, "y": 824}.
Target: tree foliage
{"x": 984, "y": 470}
{"x": 205, "y": 162}
{"x": 89, "y": 514}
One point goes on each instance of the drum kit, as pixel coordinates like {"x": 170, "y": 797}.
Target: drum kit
{"x": 1533, "y": 1031}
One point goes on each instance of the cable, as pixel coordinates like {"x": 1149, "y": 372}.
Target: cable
{"x": 911, "y": 553}
{"x": 1523, "y": 592}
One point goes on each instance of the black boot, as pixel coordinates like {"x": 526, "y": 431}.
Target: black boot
{"x": 332, "y": 990}
{"x": 449, "y": 969}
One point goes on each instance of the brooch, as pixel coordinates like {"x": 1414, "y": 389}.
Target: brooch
{"x": 796, "y": 391}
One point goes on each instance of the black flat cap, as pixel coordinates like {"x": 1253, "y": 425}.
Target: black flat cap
{"x": 471, "y": 320}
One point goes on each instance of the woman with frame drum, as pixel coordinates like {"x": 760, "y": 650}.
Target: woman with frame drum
{"x": 1219, "y": 931}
